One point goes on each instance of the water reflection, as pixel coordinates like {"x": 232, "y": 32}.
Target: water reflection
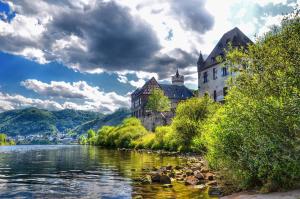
{"x": 82, "y": 172}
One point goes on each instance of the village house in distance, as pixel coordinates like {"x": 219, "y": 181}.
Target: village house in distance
{"x": 176, "y": 92}
{"x": 212, "y": 75}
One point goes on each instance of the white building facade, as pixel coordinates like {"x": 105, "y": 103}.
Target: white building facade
{"x": 213, "y": 75}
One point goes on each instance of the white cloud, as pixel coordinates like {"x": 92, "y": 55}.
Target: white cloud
{"x": 91, "y": 98}
{"x": 142, "y": 77}
{"x": 10, "y": 102}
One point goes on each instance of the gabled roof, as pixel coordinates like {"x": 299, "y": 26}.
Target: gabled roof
{"x": 171, "y": 91}
{"x": 138, "y": 91}
{"x": 176, "y": 92}
{"x": 237, "y": 39}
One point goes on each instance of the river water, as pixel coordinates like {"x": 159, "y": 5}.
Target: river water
{"x": 74, "y": 171}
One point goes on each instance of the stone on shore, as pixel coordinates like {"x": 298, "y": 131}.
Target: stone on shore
{"x": 191, "y": 180}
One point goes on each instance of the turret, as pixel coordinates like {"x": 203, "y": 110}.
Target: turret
{"x": 200, "y": 61}
{"x": 178, "y": 79}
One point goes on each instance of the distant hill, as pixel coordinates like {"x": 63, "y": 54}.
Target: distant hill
{"x": 39, "y": 121}
{"x": 111, "y": 120}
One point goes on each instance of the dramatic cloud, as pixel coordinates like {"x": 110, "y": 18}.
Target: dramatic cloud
{"x": 96, "y": 36}
{"x": 89, "y": 98}
{"x": 193, "y": 15}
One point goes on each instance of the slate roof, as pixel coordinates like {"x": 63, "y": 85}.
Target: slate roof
{"x": 176, "y": 92}
{"x": 235, "y": 36}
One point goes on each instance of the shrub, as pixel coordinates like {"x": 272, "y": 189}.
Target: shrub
{"x": 190, "y": 116}
{"x": 122, "y": 136}
{"x": 145, "y": 142}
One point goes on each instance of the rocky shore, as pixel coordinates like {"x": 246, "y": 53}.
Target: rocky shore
{"x": 194, "y": 173}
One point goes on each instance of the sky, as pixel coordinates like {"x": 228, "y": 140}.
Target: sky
{"x": 91, "y": 54}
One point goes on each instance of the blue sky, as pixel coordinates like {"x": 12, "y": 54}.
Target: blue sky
{"x": 90, "y": 55}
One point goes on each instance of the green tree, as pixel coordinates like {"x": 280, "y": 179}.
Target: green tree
{"x": 3, "y": 139}
{"x": 158, "y": 102}
{"x": 91, "y": 134}
{"x": 190, "y": 116}
{"x": 256, "y": 136}
{"x": 82, "y": 140}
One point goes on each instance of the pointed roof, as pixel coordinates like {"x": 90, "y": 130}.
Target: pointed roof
{"x": 235, "y": 36}
{"x": 170, "y": 90}
{"x": 200, "y": 60}
{"x": 140, "y": 90}
{"x": 177, "y": 73}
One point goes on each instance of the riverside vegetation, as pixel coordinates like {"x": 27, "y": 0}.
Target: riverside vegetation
{"x": 253, "y": 140}
{"x": 4, "y": 141}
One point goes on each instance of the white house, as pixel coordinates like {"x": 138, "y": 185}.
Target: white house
{"x": 212, "y": 75}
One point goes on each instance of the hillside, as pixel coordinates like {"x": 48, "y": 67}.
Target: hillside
{"x": 111, "y": 119}
{"x": 38, "y": 121}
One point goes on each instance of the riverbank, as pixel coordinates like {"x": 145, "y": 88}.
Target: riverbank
{"x": 195, "y": 173}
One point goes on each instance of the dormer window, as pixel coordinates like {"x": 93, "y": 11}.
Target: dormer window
{"x": 212, "y": 59}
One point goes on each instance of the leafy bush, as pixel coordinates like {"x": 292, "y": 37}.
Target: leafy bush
{"x": 145, "y": 142}
{"x": 123, "y": 135}
{"x": 5, "y": 141}
{"x": 190, "y": 117}
{"x": 255, "y": 137}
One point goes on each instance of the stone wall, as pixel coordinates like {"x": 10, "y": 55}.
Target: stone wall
{"x": 152, "y": 121}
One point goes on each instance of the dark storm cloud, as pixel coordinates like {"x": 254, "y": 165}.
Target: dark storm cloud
{"x": 113, "y": 39}
{"x": 165, "y": 65}
{"x": 192, "y": 15}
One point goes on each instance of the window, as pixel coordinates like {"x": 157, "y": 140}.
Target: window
{"x": 215, "y": 95}
{"x": 214, "y": 73}
{"x": 224, "y": 71}
{"x": 225, "y": 91}
{"x": 205, "y": 80}
{"x": 212, "y": 59}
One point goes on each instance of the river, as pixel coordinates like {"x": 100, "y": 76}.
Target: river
{"x": 74, "y": 171}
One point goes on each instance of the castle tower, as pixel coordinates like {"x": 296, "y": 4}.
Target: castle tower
{"x": 200, "y": 64}
{"x": 178, "y": 79}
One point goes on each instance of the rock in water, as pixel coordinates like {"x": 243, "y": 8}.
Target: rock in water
{"x": 165, "y": 179}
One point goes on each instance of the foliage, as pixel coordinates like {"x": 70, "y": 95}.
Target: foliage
{"x": 158, "y": 102}
{"x": 82, "y": 140}
{"x": 165, "y": 139}
{"x": 5, "y": 141}
{"x": 190, "y": 117}
{"x": 255, "y": 137}
{"x": 123, "y": 135}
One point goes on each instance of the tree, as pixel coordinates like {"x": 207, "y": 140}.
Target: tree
{"x": 82, "y": 140}
{"x": 3, "y": 138}
{"x": 158, "y": 102}
{"x": 256, "y": 135}
{"x": 91, "y": 133}
{"x": 190, "y": 116}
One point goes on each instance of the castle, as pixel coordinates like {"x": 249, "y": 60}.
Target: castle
{"x": 212, "y": 76}
{"x": 176, "y": 92}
